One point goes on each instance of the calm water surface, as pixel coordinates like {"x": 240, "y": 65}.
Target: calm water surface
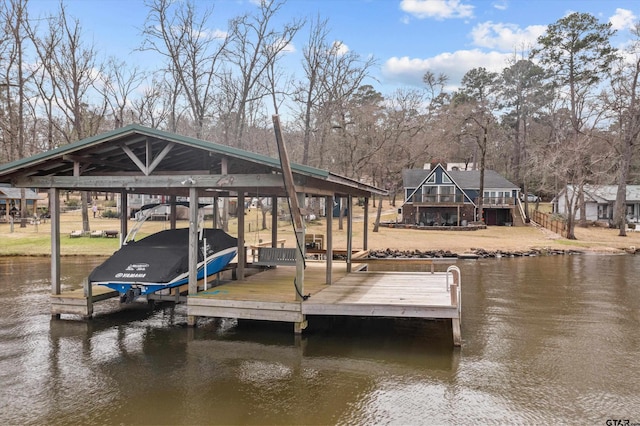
{"x": 545, "y": 340}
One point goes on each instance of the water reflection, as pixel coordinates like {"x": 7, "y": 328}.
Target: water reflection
{"x": 544, "y": 340}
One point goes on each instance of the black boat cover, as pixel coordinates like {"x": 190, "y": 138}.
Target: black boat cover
{"x": 158, "y": 258}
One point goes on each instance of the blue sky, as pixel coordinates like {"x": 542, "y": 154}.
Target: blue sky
{"x": 406, "y": 37}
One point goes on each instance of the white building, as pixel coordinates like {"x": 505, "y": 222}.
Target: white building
{"x": 599, "y": 202}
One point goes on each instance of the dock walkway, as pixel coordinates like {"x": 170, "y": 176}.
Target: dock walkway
{"x": 270, "y": 296}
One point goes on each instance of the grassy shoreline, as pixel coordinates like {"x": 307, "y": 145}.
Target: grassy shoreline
{"x": 35, "y": 240}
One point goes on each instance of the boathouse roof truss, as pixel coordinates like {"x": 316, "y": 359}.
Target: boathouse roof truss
{"x": 147, "y": 160}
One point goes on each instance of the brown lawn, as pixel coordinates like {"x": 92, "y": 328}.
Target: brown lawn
{"x": 36, "y": 239}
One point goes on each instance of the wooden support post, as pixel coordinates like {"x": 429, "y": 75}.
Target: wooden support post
{"x": 349, "y": 231}
{"x": 193, "y": 247}
{"x": 124, "y": 215}
{"x": 54, "y": 203}
{"x": 173, "y": 212}
{"x": 300, "y": 243}
{"x": 215, "y": 213}
{"x": 457, "y": 335}
{"x": 299, "y": 326}
{"x": 455, "y": 301}
{"x": 242, "y": 250}
{"x": 329, "y": 243}
{"x": 365, "y": 231}
{"x": 455, "y": 322}
{"x": 88, "y": 293}
{"x": 274, "y": 221}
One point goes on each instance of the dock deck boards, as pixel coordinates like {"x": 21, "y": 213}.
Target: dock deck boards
{"x": 270, "y": 295}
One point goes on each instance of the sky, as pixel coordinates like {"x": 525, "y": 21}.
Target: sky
{"x": 405, "y": 37}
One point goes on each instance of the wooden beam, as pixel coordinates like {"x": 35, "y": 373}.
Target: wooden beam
{"x": 160, "y": 156}
{"x": 295, "y": 211}
{"x": 287, "y": 175}
{"x": 222, "y": 182}
{"x": 134, "y": 158}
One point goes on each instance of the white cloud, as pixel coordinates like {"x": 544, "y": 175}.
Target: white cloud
{"x": 501, "y": 4}
{"x": 339, "y": 48}
{"x": 454, "y": 65}
{"x": 623, "y": 19}
{"x": 506, "y": 37}
{"x": 438, "y": 9}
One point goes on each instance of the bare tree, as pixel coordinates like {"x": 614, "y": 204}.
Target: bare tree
{"x": 153, "y": 107}
{"x": 191, "y": 51}
{"x": 308, "y": 95}
{"x": 119, "y": 84}
{"x": 343, "y": 74}
{"x": 13, "y": 16}
{"x": 73, "y": 71}
{"x": 624, "y": 101}
{"x": 254, "y": 47}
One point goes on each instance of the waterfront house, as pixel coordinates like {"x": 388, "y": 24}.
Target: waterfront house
{"x": 441, "y": 197}
{"x": 599, "y": 201}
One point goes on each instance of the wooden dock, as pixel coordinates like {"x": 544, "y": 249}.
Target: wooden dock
{"x": 270, "y": 296}
{"x": 78, "y": 302}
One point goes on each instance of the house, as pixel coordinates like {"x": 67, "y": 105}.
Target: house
{"x": 599, "y": 201}
{"x": 10, "y": 199}
{"x": 441, "y": 197}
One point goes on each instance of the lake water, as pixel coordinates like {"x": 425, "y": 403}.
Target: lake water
{"x": 545, "y": 340}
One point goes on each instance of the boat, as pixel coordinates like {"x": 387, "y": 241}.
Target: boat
{"x": 160, "y": 261}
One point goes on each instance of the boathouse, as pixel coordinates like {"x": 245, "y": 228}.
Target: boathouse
{"x": 140, "y": 160}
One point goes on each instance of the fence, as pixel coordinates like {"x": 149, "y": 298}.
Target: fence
{"x": 546, "y": 220}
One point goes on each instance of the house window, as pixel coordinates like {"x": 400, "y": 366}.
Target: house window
{"x": 429, "y": 193}
{"x": 432, "y": 178}
{"x": 447, "y": 193}
{"x": 445, "y": 179}
{"x": 604, "y": 211}
{"x": 416, "y": 198}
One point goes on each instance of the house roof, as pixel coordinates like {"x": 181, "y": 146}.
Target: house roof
{"x": 9, "y": 193}
{"x": 608, "y": 193}
{"x": 465, "y": 179}
{"x": 135, "y": 153}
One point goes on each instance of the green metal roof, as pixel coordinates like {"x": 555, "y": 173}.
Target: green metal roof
{"x": 111, "y": 153}
{"x": 135, "y": 129}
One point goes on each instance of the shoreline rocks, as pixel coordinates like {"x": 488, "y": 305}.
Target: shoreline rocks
{"x": 471, "y": 254}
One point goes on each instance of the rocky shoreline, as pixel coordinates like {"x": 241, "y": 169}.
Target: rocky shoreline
{"x": 471, "y": 254}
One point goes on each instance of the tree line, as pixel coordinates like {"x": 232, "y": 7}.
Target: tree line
{"x": 562, "y": 113}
